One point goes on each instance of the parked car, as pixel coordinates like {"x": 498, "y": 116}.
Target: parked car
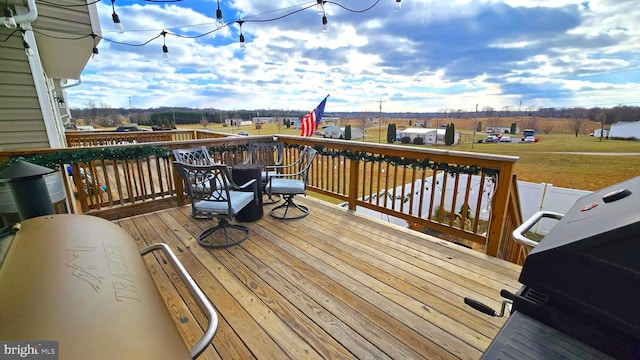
{"x": 243, "y": 133}
{"x": 530, "y": 139}
{"x": 505, "y": 139}
{"x": 128, "y": 128}
{"x": 492, "y": 139}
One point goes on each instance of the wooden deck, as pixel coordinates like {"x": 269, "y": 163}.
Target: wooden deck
{"x": 335, "y": 284}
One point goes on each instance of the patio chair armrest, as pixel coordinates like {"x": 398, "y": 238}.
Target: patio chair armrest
{"x": 195, "y": 291}
{"x": 276, "y": 168}
{"x": 246, "y": 185}
{"x": 285, "y": 175}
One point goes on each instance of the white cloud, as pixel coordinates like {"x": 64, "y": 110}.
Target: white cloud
{"x": 427, "y": 57}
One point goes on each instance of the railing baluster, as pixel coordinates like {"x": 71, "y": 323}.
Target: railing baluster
{"x": 476, "y": 218}
{"x": 452, "y": 212}
{"x": 107, "y": 181}
{"x": 465, "y": 210}
{"x": 443, "y": 193}
{"x": 423, "y": 188}
{"x": 413, "y": 190}
{"x": 386, "y": 183}
{"x": 378, "y": 189}
{"x": 433, "y": 193}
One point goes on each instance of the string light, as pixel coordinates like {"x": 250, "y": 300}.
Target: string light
{"x": 325, "y": 27}
{"x": 320, "y": 7}
{"x": 95, "y": 52}
{"x": 9, "y": 21}
{"x": 243, "y": 46}
{"x": 27, "y": 48}
{"x": 398, "y": 5}
{"x": 219, "y": 20}
{"x": 61, "y": 103}
{"x": 95, "y": 56}
{"x": 116, "y": 19}
{"x": 165, "y": 50}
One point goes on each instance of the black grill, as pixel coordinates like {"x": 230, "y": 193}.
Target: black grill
{"x": 583, "y": 279}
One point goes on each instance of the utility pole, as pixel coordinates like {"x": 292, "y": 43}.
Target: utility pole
{"x": 380, "y": 120}
{"x": 604, "y": 119}
{"x": 475, "y": 127}
{"x": 364, "y": 127}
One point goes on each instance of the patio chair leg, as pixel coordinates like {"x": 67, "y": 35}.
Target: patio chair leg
{"x": 228, "y": 237}
{"x": 288, "y": 203}
{"x": 270, "y": 198}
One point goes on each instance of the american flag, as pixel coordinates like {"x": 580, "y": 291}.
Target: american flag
{"x": 309, "y": 123}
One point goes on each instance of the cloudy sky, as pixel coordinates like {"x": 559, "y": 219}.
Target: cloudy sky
{"x": 431, "y": 55}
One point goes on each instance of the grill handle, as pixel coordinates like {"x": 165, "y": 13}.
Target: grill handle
{"x": 518, "y": 233}
{"x": 480, "y": 307}
{"x": 195, "y": 291}
{"x": 485, "y": 309}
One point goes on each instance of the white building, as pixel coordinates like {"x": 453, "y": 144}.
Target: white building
{"x": 625, "y": 130}
{"x": 335, "y": 132}
{"x": 600, "y": 132}
{"x": 429, "y": 136}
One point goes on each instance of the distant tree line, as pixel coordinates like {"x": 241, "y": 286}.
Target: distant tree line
{"x": 106, "y": 115}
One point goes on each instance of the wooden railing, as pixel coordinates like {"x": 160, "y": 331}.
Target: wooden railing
{"x": 460, "y": 195}
{"x": 110, "y": 138}
{"x": 427, "y": 187}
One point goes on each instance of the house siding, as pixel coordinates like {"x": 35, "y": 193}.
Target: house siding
{"x": 21, "y": 121}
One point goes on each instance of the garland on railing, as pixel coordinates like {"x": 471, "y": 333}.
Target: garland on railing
{"x": 57, "y": 158}
{"x": 404, "y": 161}
{"x": 234, "y": 149}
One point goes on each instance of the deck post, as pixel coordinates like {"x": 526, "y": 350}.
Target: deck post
{"x": 499, "y": 208}
{"x": 179, "y": 186}
{"x": 354, "y": 179}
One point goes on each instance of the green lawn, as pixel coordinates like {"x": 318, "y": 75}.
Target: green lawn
{"x": 550, "y": 160}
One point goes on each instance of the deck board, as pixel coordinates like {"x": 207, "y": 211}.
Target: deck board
{"x": 335, "y": 284}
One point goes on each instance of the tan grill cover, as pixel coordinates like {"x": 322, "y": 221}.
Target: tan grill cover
{"x": 80, "y": 280}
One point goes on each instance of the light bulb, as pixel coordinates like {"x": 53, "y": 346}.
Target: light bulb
{"x": 165, "y": 53}
{"x": 320, "y": 7}
{"x": 96, "y": 55}
{"x": 27, "y": 48}
{"x": 243, "y": 46}
{"x": 398, "y": 5}
{"x": 325, "y": 27}
{"x": 219, "y": 19}
{"x": 9, "y": 21}
{"x": 117, "y": 24}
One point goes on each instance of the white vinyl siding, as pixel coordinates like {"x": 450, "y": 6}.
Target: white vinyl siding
{"x": 21, "y": 122}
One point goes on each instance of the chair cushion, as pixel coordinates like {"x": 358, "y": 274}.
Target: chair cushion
{"x": 285, "y": 186}
{"x": 239, "y": 200}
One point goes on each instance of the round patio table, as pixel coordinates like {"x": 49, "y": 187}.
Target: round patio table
{"x": 242, "y": 173}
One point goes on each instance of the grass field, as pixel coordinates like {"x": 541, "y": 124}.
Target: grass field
{"x": 559, "y": 158}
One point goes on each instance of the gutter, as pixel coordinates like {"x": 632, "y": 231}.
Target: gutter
{"x": 66, "y": 86}
{"x": 29, "y": 17}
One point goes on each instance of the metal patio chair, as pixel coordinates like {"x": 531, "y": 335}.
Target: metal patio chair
{"x": 214, "y": 194}
{"x": 289, "y": 181}
{"x": 194, "y": 156}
